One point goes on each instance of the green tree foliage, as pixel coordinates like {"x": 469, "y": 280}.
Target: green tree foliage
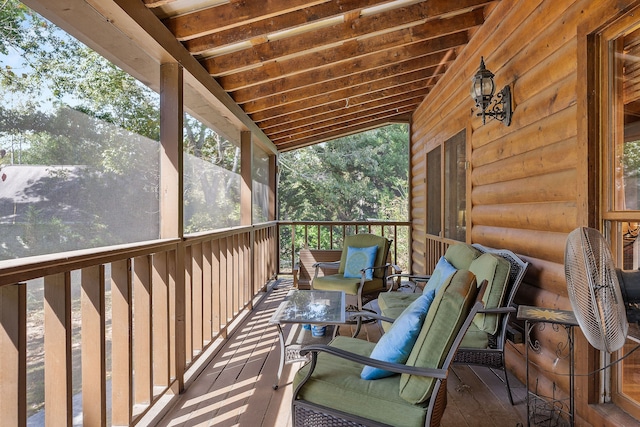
{"x": 358, "y": 177}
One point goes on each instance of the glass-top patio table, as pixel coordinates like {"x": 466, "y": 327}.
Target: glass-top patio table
{"x": 324, "y": 308}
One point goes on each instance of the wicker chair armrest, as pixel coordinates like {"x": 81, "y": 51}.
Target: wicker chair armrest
{"x": 398, "y": 368}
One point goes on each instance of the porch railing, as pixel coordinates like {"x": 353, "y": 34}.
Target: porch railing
{"x": 295, "y": 235}
{"x": 133, "y": 319}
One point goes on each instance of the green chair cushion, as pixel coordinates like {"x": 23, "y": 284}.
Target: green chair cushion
{"x": 401, "y": 300}
{"x": 475, "y": 338}
{"x": 336, "y": 384}
{"x": 445, "y": 317}
{"x": 460, "y": 255}
{"x": 392, "y": 304}
{"x": 495, "y": 270}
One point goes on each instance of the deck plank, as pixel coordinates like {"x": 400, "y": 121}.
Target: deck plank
{"x": 235, "y": 389}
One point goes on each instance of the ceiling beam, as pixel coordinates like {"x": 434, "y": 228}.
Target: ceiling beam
{"x": 374, "y": 52}
{"x": 264, "y": 27}
{"x": 331, "y": 36}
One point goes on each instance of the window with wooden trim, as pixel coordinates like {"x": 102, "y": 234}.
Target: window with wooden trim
{"x": 619, "y": 94}
{"x": 446, "y": 189}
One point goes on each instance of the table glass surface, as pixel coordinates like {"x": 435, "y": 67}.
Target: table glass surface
{"x": 318, "y": 307}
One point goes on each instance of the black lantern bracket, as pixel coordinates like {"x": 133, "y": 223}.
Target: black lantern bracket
{"x": 499, "y": 106}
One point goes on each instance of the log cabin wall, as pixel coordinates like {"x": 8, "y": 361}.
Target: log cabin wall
{"x": 528, "y": 183}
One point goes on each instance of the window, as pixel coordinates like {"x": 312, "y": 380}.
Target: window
{"x": 446, "y": 207}
{"x": 619, "y": 51}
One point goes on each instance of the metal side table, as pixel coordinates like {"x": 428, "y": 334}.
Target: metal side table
{"x": 551, "y": 410}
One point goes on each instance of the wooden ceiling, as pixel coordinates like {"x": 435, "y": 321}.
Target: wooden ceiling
{"x": 307, "y": 71}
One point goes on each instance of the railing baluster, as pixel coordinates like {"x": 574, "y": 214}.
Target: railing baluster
{"x": 196, "y": 295}
{"x": 216, "y": 301}
{"x": 57, "y": 350}
{"x": 160, "y": 329}
{"x": 142, "y": 360}
{"x": 206, "y": 292}
{"x": 188, "y": 306}
{"x": 94, "y": 381}
{"x": 121, "y": 347}
{"x": 13, "y": 357}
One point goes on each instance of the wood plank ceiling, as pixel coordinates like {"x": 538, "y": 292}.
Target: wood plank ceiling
{"x": 307, "y": 71}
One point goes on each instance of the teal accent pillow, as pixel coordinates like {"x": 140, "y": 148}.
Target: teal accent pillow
{"x": 396, "y": 345}
{"x": 441, "y": 273}
{"x": 359, "y": 259}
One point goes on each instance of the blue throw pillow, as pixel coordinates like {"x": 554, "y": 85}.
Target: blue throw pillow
{"x": 396, "y": 345}
{"x": 359, "y": 259}
{"x": 441, "y": 273}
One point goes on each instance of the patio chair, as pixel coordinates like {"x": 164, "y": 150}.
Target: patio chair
{"x": 329, "y": 390}
{"x": 362, "y": 268}
{"x": 484, "y": 342}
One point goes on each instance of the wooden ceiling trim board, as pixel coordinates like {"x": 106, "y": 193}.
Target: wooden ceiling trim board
{"x": 322, "y": 97}
{"x": 308, "y": 69}
{"x": 345, "y": 116}
{"x": 225, "y": 64}
{"x": 234, "y": 13}
{"x": 339, "y": 125}
{"x": 354, "y": 81}
{"x": 323, "y": 103}
{"x": 341, "y": 133}
{"x": 201, "y": 45}
{"x": 337, "y": 77}
{"x": 294, "y": 120}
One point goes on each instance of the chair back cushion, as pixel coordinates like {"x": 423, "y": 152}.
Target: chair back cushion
{"x": 460, "y": 255}
{"x": 366, "y": 240}
{"x": 495, "y": 270}
{"x": 445, "y": 317}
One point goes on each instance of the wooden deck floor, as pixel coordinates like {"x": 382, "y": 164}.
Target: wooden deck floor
{"x": 235, "y": 388}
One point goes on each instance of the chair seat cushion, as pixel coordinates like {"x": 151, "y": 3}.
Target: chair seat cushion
{"x": 336, "y": 384}
{"x": 337, "y": 282}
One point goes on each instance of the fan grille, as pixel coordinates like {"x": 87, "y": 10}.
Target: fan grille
{"x": 594, "y": 290}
